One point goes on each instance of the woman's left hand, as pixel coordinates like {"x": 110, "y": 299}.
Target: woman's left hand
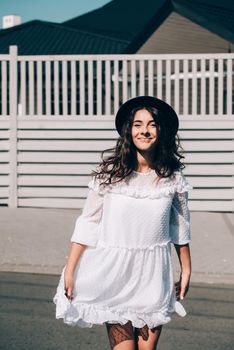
{"x": 182, "y": 286}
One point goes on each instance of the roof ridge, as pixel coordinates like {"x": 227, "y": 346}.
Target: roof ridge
{"x": 18, "y": 26}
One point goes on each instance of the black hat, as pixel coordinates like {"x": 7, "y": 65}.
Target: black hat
{"x": 171, "y": 118}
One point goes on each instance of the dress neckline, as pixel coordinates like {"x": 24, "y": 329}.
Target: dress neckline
{"x": 144, "y": 173}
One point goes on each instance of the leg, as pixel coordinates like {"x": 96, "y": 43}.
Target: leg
{"x": 147, "y": 339}
{"x": 121, "y": 337}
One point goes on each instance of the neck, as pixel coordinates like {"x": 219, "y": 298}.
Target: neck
{"x": 143, "y": 161}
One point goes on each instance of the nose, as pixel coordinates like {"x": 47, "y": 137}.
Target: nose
{"x": 145, "y": 132}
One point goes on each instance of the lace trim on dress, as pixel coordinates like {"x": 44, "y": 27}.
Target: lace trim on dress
{"x": 170, "y": 186}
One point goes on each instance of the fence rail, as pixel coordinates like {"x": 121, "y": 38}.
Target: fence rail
{"x": 56, "y": 116}
{"x": 198, "y": 84}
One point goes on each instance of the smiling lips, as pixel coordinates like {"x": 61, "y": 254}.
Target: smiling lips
{"x": 143, "y": 140}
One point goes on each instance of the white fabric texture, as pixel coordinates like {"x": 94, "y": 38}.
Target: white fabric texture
{"x": 125, "y": 272}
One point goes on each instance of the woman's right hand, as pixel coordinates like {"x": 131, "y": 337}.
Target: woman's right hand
{"x": 68, "y": 285}
{"x": 75, "y": 252}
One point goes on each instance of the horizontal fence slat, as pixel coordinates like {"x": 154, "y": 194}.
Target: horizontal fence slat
{"x": 201, "y": 123}
{"x": 68, "y": 123}
{"x": 208, "y": 157}
{"x": 4, "y": 180}
{"x": 4, "y": 202}
{"x": 4, "y": 192}
{"x": 5, "y": 169}
{"x": 4, "y": 134}
{"x": 67, "y": 134}
{"x": 59, "y": 157}
{"x": 55, "y": 192}
{"x": 56, "y": 169}
{"x": 65, "y": 203}
{"x": 214, "y": 145}
{"x": 5, "y": 145}
{"x": 207, "y": 134}
{"x": 212, "y": 194}
{"x": 64, "y": 145}
{"x": 214, "y": 181}
{"x": 51, "y": 180}
{"x": 4, "y": 123}
{"x": 209, "y": 170}
{"x": 205, "y": 205}
{"x": 4, "y": 157}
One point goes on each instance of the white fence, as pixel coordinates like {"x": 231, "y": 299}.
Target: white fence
{"x": 56, "y": 115}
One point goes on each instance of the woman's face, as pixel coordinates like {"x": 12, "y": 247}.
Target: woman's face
{"x": 144, "y": 130}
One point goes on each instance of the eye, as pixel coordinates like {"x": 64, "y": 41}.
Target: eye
{"x": 137, "y": 125}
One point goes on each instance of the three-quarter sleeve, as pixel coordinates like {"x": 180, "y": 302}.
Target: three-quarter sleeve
{"x": 180, "y": 232}
{"x": 87, "y": 224}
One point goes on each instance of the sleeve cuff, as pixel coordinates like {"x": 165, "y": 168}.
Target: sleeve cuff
{"x": 186, "y": 241}
{"x": 178, "y": 237}
{"x": 85, "y": 232}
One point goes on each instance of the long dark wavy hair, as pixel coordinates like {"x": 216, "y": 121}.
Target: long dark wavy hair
{"x": 165, "y": 158}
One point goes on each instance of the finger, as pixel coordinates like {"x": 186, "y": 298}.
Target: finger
{"x": 177, "y": 296}
{"x": 177, "y": 293}
{"x": 68, "y": 297}
{"x": 182, "y": 293}
{"x": 69, "y": 292}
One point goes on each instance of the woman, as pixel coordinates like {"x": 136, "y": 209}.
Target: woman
{"x": 119, "y": 270}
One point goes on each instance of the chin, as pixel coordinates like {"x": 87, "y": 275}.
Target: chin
{"x": 144, "y": 148}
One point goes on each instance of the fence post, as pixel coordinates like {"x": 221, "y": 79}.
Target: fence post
{"x": 13, "y": 200}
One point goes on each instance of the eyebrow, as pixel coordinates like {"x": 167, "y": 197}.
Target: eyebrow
{"x": 140, "y": 121}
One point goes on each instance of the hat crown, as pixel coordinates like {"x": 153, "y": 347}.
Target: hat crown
{"x": 171, "y": 118}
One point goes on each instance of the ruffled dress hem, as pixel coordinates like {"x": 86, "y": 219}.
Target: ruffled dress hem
{"x": 86, "y": 315}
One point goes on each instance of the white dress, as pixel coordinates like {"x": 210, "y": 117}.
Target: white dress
{"x": 125, "y": 273}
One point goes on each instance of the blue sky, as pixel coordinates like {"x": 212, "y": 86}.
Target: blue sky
{"x": 48, "y": 10}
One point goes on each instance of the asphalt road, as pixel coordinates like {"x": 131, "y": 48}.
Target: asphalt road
{"x": 27, "y": 319}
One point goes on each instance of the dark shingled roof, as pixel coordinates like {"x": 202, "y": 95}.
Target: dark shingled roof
{"x": 118, "y": 27}
{"x": 40, "y": 38}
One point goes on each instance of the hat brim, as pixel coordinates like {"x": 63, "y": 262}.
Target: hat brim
{"x": 171, "y": 118}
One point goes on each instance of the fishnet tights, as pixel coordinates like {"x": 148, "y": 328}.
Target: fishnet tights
{"x": 118, "y": 333}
